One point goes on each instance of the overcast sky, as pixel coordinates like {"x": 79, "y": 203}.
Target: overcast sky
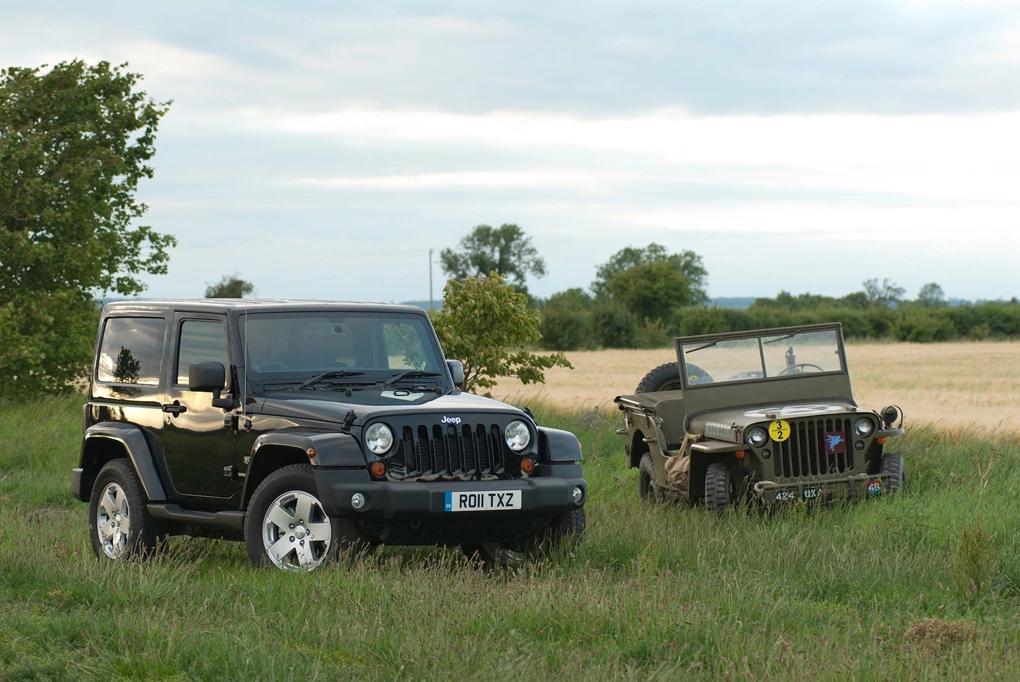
{"x": 321, "y": 150}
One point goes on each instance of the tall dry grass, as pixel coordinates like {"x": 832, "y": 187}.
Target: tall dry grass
{"x": 948, "y": 385}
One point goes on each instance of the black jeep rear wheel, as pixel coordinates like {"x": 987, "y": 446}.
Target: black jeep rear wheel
{"x": 718, "y": 488}
{"x": 119, "y": 523}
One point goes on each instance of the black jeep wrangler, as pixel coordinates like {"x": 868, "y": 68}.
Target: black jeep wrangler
{"x": 306, "y": 428}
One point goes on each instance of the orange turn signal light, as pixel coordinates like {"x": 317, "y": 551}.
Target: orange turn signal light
{"x": 740, "y": 454}
{"x": 881, "y": 440}
{"x": 527, "y": 465}
{"x": 310, "y": 452}
{"x": 378, "y": 469}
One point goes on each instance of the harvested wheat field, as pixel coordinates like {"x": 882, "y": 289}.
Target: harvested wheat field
{"x": 950, "y": 385}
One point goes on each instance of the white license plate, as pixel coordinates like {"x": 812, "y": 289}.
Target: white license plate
{"x": 806, "y": 493}
{"x": 483, "y": 500}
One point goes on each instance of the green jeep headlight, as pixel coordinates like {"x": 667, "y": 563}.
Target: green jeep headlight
{"x": 757, "y": 437}
{"x": 863, "y": 427}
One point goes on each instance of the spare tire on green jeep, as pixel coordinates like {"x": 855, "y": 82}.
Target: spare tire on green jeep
{"x": 667, "y": 378}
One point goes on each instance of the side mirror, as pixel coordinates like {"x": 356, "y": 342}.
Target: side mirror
{"x": 210, "y": 377}
{"x": 206, "y": 377}
{"x": 457, "y": 370}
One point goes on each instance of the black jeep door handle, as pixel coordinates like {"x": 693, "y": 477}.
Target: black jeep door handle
{"x": 175, "y": 409}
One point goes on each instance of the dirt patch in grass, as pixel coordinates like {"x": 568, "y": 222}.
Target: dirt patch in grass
{"x": 937, "y": 634}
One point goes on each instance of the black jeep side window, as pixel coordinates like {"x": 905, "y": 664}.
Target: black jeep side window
{"x": 201, "y": 341}
{"x": 131, "y": 350}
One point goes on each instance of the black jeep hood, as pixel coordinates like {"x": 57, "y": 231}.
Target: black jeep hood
{"x": 333, "y": 406}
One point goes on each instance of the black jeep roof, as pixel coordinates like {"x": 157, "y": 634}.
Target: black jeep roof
{"x": 261, "y": 305}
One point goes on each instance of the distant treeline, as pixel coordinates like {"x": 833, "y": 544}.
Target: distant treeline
{"x": 569, "y": 322}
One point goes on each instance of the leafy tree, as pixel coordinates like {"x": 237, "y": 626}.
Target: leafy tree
{"x": 74, "y": 143}
{"x": 230, "y": 286}
{"x": 505, "y": 250}
{"x": 652, "y": 282}
{"x": 884, "y": 295}
{"x": 613, "y": 325}
{"x": 858, "y": 300}
{"x": 567, "y": 320}
{"x": 931, "y": 296}
{"x": 487, "y": 324}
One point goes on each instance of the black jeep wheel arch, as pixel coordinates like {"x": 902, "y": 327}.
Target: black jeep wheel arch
{"x": 278, "y": 449}
{"x": 107, "y": 441}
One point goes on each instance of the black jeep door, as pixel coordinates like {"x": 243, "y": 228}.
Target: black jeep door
{"x": 199, "y": 449}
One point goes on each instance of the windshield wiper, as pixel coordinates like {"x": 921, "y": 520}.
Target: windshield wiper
{"x": 780, "y": 338}
{"x": 410, "y": 374}
{"x": 332, "y": 374}
{"x": 695, "y": 350}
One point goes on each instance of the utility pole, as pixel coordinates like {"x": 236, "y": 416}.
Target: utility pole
{"x": 430, "y": 280}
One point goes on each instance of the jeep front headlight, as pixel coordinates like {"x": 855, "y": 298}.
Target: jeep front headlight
{"x": 757, "y": 437}
{"x": 379, "y": 438}
{"x": 518, "y": 435}
{"x": 863, "y": 427}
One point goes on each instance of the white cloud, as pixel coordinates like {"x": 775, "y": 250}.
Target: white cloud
{"x": 489, "y": 179}
{"x": 962, "y": 158}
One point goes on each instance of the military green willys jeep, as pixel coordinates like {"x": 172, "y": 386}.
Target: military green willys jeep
{"x": 766, "y": 415}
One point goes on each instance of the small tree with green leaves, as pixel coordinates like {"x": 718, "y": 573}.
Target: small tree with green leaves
{"x": 487, "y": 325}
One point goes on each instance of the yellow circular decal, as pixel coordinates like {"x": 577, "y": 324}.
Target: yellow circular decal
{"x": 779, "y": 430}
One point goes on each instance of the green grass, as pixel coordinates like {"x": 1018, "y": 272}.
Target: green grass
{"x": 922, "y": 586}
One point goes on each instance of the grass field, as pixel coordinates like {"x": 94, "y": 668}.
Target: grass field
{"x": 923, "y": 586}
{"x": 949, "y": 385}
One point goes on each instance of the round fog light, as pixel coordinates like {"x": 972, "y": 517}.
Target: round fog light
{"x": 578, "y": 494}
{"x": 357, "y": 500}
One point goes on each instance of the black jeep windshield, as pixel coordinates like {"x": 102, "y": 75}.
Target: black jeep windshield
{"x": 287, "y": 345}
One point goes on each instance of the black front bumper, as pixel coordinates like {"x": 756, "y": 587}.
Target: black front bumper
{"x": 540, "y": 495}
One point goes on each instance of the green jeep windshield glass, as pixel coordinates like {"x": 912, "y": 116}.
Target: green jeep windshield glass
{"x": 803, "y": 352}
{"x": 757, "y": 358}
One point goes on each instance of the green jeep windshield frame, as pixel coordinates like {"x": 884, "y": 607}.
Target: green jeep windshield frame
{"x": 758, "y": 356}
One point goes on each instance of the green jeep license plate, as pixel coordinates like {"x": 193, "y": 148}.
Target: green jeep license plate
{"x": 792, "y": 495}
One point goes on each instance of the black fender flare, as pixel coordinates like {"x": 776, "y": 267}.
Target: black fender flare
{"x": 131, "y": 438}
{"x": 330, "y": 449}
{"x": 556, "y": 445}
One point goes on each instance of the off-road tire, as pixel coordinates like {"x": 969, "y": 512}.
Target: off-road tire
{"x": 647, "y": 490}
{"x": 344, "y": 535}
{"x": 892, "y": 464}
{"x": 667, "y": 375}
{"x": 718, "y": 487}
{"x": 666, "y": 378}
{"x": 140, "y": 539}
{"x": 565, "y": 532}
